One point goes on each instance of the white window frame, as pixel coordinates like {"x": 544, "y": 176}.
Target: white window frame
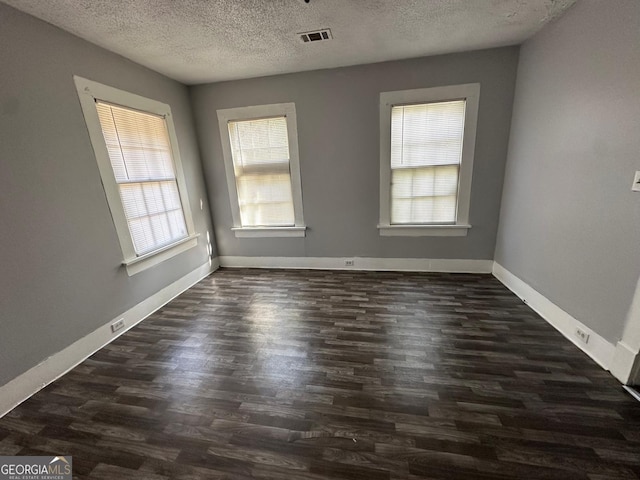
{"x": 287, "y": 110}
{"x": 469, "y": 92}
{"x": 90, "y": 91}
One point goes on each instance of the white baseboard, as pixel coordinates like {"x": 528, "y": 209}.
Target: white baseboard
{"x": 625, "y": 365}
{"x": 24, "y": 386}
{"x": 633, "y": 392}
{"x": 362, "y": 263}
{"x": 599, "y": 349}
{"x": 214, "y": 262}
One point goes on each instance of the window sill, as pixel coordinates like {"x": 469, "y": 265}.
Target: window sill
{"x": 423, "y": 230}
{"x": 257, "y": 232}
{"x": 138, "y": 264}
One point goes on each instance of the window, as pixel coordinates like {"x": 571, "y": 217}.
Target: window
{"x": 260, "y": 148}
{"x": 134, "y": 141}
{"x": 427, "y": 142}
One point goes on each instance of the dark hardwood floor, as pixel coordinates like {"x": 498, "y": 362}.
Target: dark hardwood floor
{"x": 341, "y": 375}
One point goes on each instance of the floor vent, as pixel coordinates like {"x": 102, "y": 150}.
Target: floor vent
{"x": 316, "y": 35}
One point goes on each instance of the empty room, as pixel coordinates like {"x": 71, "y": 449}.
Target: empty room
{"x": 319, "y": 239}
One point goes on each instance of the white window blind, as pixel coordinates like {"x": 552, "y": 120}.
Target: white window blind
{"x": 260, "y": 153}
{"x": 140, "y": 154}
{"x": 426, "y": 151}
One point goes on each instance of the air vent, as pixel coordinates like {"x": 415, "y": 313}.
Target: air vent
{"x": 316, "y": 35}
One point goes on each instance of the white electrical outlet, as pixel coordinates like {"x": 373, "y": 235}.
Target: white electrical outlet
{"x": 119, "y": 325}
{"x": 636, "y": 182}
{"x": 582, "y": 335}
{"x": 350, "y": 262}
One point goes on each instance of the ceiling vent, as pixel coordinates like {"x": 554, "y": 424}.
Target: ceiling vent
{"x": 316, "y": 35}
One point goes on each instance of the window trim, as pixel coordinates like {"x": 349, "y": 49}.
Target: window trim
{"x": 90, "y": 91}
{"x": 471, "y": 93}
{"x": 256, "y": 112}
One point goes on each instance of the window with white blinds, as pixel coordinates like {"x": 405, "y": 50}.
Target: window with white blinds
{"x": 141, "y": 158}
{"x": 261, "y": 165}
{"x": 135, "y": 145}
{"x": 427, "y": 146}
{"x": 426, "y": 150}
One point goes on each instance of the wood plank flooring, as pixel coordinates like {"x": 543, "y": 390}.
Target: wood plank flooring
{"x": 336, "y": 375}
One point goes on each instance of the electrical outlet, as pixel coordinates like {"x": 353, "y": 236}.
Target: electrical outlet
{"x": 349, "y": 262}
{"x": 119, "y": 325}
{"x": 582, "y": 335}
{"x": 636, "y": 182}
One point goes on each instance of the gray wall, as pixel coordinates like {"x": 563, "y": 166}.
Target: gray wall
{"x": 338, "y": 130}
{"x": 570, "y": 225}
{"x": 60, "y": 256}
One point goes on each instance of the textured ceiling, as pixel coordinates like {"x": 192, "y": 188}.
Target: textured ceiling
{"x": 198, "y": 41}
